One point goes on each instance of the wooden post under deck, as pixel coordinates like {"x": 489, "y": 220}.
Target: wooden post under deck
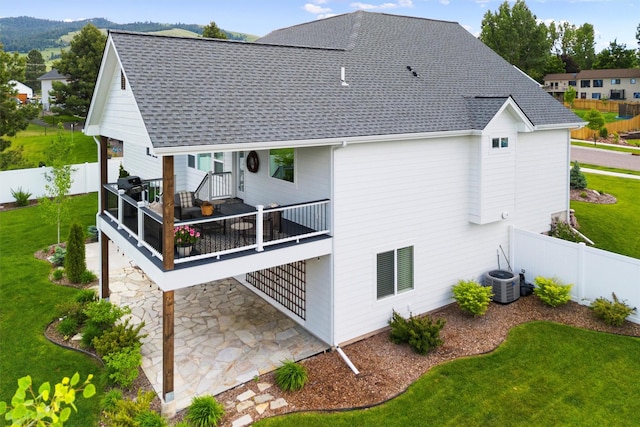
{"x": 104, "y": 240}
{"x": 168, "y": 189}
{"x": 167, "y": 345}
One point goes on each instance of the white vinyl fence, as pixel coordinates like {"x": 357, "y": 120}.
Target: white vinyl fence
{"x": 593, "y": 272}
{"x": 86, "y": 179}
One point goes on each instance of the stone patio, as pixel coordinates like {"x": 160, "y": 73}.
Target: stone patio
{"x": 225, "y": 334}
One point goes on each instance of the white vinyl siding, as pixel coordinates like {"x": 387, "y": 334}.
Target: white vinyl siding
{"x": 417, "y": 193}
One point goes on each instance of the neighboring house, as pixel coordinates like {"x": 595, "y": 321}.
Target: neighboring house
{"x": 619, "y": 85}
{"x": 46, "y": 81}
{"x": 399, "y": 151}
{"x": 24, "y": 92}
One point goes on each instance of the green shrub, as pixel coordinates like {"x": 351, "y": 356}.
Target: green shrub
{"x": 562, "y": 230}
{"x": 104, "y": 314}
{"x": 182, "y": 424}
{"x": 71, "y": 309}
{"x": 204, "y": 411}
{"x": 613, "y": 312}
{"x": 122, "y": 367}
{"x": 291, "y": 376}
{"x": 125, "y": 411}
{"x": 551, "y": 291}
{"x": 58, "y": 274}
{"x": 604, "y": 133}
{"x": 75, "y": 263}
{"x": 472, "y": 297}
{"x": 87, "y": 277}
{"x": 119, "y": 337}
{"x": 421, "y": 333}
{"x": 58, "y": 256}
{"x": 86, "y": 296}
{"x": 577, "y": 180}
{"x": 150, "y": 419}
{"x": 67, "y": 326}
{"x": 110, "y": 399}
{"x": 22, "y": 197}
{"x": 89, "y": 333}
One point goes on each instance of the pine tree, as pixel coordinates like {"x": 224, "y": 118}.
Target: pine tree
{"x": 577, "y": 180}
{"x": 74, "y": 262}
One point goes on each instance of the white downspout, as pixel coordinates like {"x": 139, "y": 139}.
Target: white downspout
{"x": 333, "y": 276}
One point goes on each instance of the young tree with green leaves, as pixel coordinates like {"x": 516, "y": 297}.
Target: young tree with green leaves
{"x": 212, "y": 31}
{"x": 515, "y": 34}
{"x": 50, "y": 407}
{"x": 55, "y": 203}
{"x": 595, "y": 121}
{"x": 570, "y": 95}
{"x": 81, "y": 64}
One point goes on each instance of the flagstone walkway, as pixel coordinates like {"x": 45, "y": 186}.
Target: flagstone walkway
{"x": 225, "y": 334}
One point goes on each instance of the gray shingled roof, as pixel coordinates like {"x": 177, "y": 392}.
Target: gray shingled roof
{"x": 287, "y": 85}
{"x": 54, "y": 74}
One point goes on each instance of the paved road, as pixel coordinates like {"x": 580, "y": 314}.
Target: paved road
{"x": 612, "y": 159}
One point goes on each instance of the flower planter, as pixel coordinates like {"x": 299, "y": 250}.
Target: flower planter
{"x": 184, "y": 250}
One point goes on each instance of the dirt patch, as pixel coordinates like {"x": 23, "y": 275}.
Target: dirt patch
{"x": 592, "y": 196}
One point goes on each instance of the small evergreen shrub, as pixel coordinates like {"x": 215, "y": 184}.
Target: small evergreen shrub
{"x": 421, "y": 333}
{"x": 577, "y": 180}
{"x": 104, "y": 314}
{"x": 58, "y": 256}
{"x": 472, "y": 297}
{"x": 89, "y": 333}
{"x": 110, "y": 399}
{"x": 67, "y": 326}
{"x": 119, "y": 337}
{"x": 22, "y": 197}
{"x": 58, "y": 274}
{"x": 204, "y": 411}
{"x": 150, "y": 418}
{"x": 291, "y": 376}
{"x": 125, "y": 411}
{"x": 122, "y": 367}
{"x": 75, "y": 262}
{"x": 604, "y": 133}
{"x": 86, "y": 296}
{"x": 87, "y": 277}
{"x": 71, "y": 309}
{"x": 614, "y": 312}
{"x": 551, "y": 291}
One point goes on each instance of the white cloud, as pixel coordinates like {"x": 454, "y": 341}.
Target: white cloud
{"x": 383, "y": 6}
{"x": 445, "y": 2}
{"x": 315, "y": 9}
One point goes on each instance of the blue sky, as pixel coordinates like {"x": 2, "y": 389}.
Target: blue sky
{"x": 612, "y": 19}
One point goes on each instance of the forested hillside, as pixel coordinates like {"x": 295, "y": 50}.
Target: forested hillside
{"x": 24, "y": 33}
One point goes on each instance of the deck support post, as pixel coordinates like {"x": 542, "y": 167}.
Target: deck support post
{"x": 167, "y": 346}
{"x": 168, "y": 351}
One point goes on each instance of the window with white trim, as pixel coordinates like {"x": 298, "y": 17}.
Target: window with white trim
{"x": 394, "y": 272}
{"x": 500, "y": 142}
{"x": 205, "y": 162}
{"x": 615, "y": 81}
{"x": 281, "y": 164}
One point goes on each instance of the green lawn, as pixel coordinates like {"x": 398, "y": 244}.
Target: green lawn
{"x": 28, "y": 302}
{"x": 36, "y": 138}
{"x": 608, "y": 117}
{"x": 612, "y": 227}
{"x": 611, "y": 147}
{"x": 545, "y": 374}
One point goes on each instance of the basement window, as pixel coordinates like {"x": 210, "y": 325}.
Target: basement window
{"x": 394, "y": 271}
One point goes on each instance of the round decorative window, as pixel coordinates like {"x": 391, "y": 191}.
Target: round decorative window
{"x": 253, "y": 162}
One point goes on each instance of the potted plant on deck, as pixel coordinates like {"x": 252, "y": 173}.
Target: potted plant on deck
{"x": 184, "y": 237}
